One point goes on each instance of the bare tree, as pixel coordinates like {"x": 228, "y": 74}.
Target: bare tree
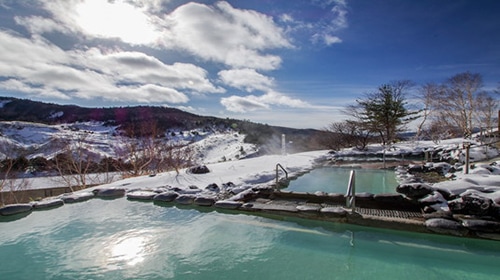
{"x": 347, "y": 134}
{"x": 457, "y": 103}
{"x": 75, "y": 160}
{"x": 137, "y": 149}
{"x": 150, "y": 152}
{"x": 487, "y": 107}
{"x": 426, "y": 97}
{"x": 9, "y": 170}
{"x": 176, "y": 156}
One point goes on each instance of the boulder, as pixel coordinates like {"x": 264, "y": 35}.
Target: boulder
{"x": 185, "y": 199}
{"x": 445, "y": 226}
{"x": 201, "y": 169}
{"x": 204, "y": 201}
{"x": 13, "y": 209}
{"x": 228, "y": 204}
{"x": 481, "y": 225}
{"x": 228, "y": 186}
{"x": 167, "y": 196}
{"x": 414, "y": 190}
{"x": 141, "y": 195}
{"x": 475, "y": 204}
{"x": 76, "y": 197}
{"x": 416, "y": 168}
{"x": 213, "y": 188}
{"x": 192, "y": 190}
{"x": 48, "y": 203}
{"x": 432, "y": 198}
{"x": 109, "y": 192}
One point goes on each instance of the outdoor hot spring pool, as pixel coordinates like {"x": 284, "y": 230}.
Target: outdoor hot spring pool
{"x": 122, "y": 239}
{"x": 336, "y": 179}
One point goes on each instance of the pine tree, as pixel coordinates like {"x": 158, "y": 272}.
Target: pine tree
{"x": 384, "y": 111}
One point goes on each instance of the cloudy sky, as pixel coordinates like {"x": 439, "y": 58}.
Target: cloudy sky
{"x": 280, "y": 62}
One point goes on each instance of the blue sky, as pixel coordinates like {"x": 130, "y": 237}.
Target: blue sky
{"x": 281, "y": 62}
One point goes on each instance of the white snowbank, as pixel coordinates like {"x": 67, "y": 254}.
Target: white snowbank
{"x": 251, "y": 171}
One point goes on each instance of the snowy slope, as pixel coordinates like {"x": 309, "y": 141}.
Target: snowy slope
{"x": 33, "y": 139}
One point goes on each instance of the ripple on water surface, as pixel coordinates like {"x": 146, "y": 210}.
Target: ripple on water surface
{"x": 123, "y": 239}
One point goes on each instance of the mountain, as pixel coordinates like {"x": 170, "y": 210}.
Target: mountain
{"x": 33, "y": 127}
{"x": 13, "y": 109}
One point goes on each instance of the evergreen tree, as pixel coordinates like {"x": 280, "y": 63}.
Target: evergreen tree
{"x": 384, "y": 111}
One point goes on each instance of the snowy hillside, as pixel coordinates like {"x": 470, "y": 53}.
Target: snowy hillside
{"x": 39, "y": 140}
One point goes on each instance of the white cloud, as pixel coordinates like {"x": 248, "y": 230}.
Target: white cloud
{"x": 40, "y": 25}
{"x": 327, "y": 39}
{"x": 335, "y": 20}
{"x": 221, "y": 33}
{"x": 242, "y": 40}
{"x": 330, "y": 19}
{"x": 37, "y": 67}
{"x": 246, "y": 79}
{"x": 243, "y": 104}
{"x": 252, "y": 102}
{"x": 117, "y": 19}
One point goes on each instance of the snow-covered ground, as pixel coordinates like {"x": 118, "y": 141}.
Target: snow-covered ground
{"x": 224, "y": 153}
{"x": 34, "y": 139}
{"x": 243, "y": 173}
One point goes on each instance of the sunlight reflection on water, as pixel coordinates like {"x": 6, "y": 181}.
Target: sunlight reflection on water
{"x": 122, "y": 239}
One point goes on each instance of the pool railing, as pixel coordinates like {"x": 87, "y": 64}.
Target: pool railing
{"x": 350, "y": 196}
{"x": 279, "y": 166}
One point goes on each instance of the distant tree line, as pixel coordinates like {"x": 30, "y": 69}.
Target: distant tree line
{"x": 457, "y": 107}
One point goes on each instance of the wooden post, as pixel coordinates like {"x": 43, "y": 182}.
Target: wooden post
{"x": 467, "y": 156}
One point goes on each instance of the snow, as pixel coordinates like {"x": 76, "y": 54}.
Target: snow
{"x": 245, "y": 172}
{"x": 46, "y": 140}
{"x": 229, "y": 159}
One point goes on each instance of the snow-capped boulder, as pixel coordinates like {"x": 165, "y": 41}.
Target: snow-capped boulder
{"x": 109, "y": 192}
{"x": 201, "y": 169}
{"x": 473, "y": 203}
{"x": 228, "y": 204}
{"x": 414, "y": 190}
{"x": 204, "y": 201}
{"x": 185, "y": 199}
{"x": 48, "y": 203}
{"x": 13, "y": 209}
{"x": 213, "y": 188}
{"x": 76, "y": 197}
{"x": 445, "y": 226}
{"x": 167, "y": 196}
{"x": 141, "y": 195}
{"x": 432, "y": 198}
{"x": 481, "y": 225}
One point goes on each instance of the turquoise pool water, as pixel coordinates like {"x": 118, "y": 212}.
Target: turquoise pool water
{"x": 122, "y": 239}
{"x": 335, "y": 180}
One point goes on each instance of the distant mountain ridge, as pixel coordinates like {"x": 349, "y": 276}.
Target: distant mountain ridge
{"x": 13, "y": 109}
{"x": 134, "y": 117}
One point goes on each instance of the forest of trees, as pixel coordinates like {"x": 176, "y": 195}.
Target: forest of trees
{"x": 455, "y": 108}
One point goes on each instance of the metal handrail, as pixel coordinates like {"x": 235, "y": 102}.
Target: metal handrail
{"x": 277, "y": 173}
{"x": 350, "y": 196}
